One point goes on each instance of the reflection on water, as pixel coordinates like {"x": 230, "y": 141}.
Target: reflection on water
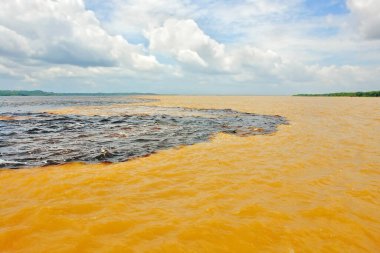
{"x": 312, "y": 186}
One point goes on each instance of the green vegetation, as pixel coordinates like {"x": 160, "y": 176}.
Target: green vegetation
{"x": 43, "y": 93}
{"x": 25, "y": 93}
{"x": 345, "y": 94}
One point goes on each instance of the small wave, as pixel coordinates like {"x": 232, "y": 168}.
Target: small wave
{"x": 10, "y": 162}
{"x": 43, "y": 139}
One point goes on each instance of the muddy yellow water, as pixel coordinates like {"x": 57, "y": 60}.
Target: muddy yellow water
{"x": 314, "y": 186}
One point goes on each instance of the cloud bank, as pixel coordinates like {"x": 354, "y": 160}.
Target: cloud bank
{"x": 182, "y": 46}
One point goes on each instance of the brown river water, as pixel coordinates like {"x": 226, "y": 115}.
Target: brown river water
{"x": 312, "y": 186}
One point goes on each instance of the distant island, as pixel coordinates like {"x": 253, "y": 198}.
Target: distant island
{"x": 344, "y": 94}
{"x": 44, "y": 93}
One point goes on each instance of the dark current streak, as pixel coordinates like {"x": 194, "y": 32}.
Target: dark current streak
{"x": 39, "y": 139}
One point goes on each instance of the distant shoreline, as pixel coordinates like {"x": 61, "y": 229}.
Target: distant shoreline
{"x": 344, "y": 94}
{"x": 9, "y": 93}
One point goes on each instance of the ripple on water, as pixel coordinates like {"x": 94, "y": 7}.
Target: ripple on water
{"x": 300, "y": 190}
{"x": 44, "y": 139}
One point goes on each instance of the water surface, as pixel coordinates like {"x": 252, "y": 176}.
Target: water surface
{"x": 31, "y": 138}
{"x": 23, "y": 104}
{"x": 312, "y": 186}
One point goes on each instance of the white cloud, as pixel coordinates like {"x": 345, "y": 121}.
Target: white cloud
{"x": 12, "y": 43}
{"x": 255, "y": 45}
{"x": 184, "y": 40}
{"x": 190, "y": 57}
{"x": 63, "y": 32}
{"x": 134, "y": 17}
{"x": 347, "y": 75}
{"x": 367, "y": 17}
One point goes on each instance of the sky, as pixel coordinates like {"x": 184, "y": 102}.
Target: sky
{"x": 226, "y": 47}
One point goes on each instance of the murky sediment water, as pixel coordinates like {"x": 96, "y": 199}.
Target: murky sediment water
{"x": 312, "y": 186}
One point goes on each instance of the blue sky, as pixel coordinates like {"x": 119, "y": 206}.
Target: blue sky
{"x": 190, "y": 47}
{"x": 322, "y": 8}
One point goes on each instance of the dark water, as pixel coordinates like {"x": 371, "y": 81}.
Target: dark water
{"x": 33, "y": 104}
{"x": 36, "y": 138}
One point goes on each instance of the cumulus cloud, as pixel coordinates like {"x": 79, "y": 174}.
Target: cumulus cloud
{"x": 134, "y": 17}
{"x": 250, "y": 45}
{"x": 12, "y": 43}
{"x": 64, "y": 32}
{"x": 184, "y": 40}
{"x": 195, "y": 51}
{"x": 367, "y": 17}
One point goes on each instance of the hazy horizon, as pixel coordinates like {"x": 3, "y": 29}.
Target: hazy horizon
{"x": 190, "y": 47}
